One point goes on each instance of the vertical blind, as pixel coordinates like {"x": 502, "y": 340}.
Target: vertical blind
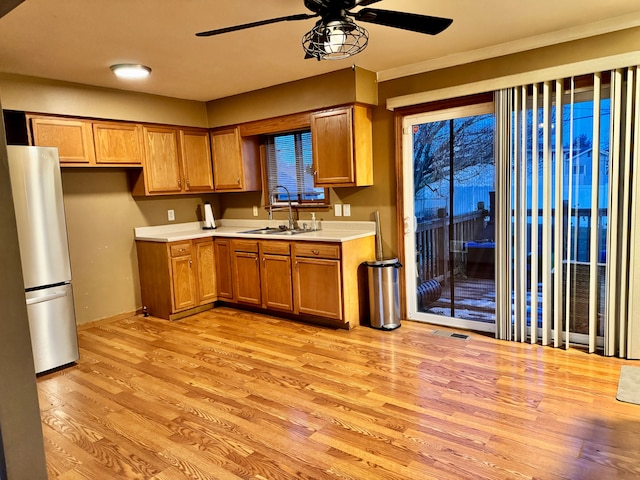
{"x": 567, "y": 218}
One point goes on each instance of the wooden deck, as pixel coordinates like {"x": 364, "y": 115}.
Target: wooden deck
{"x": 475, "y": 299}
{"x": 227, "y": 395}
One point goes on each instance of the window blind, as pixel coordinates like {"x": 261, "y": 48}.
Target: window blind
{"x": 289, "y": 163}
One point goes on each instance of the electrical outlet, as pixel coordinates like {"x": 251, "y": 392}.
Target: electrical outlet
{"x": 171, "y": 215}
{"x": 337, "y": 210}
{"x": 346, "y": 210}
{"x": 255, "y": 210}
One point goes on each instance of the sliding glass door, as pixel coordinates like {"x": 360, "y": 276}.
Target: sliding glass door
{"x": 449, "y": 199}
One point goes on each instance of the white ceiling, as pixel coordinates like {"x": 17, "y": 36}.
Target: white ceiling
{"x": 77, "y": 40}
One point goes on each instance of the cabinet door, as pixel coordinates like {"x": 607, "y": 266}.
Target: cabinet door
{"x": 277, "y": 291}
{"x": 118, "y": 143}
{"x": 224, "y": 275}
{"x": 183, "y": 283}
{"x": 196, "y": 160}
{"x": 73, "y": 138}
{"x": 246, "y": 274}
{"x": 318, "y": 287}
{"x": 162, "y": 161}
{"x": 332, "y": 144}
{"x": 206, "y": 269}
{"x": 226, "y": 152}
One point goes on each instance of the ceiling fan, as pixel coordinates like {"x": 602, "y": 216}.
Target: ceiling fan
{"x": 336, "y": 35}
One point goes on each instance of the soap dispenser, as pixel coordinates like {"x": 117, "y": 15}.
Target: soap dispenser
{"x": 314, "y": 224}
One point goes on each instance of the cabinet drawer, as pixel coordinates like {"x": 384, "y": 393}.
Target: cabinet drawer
{"x": 180, "y": 249}
{"x": 276, "y": 248}
{"x": 244, "y": 245}
{"x": 320, "y": 250}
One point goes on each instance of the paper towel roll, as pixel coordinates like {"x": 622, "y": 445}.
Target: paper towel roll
{"x": 209, "y": 221}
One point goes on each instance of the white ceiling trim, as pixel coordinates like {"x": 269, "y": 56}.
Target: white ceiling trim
{"x": 525, "y": 78}
{"x": 575, "y": 33}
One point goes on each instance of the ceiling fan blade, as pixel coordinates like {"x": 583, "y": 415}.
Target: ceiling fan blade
{"x": 364, "y": 3}
{"x": 405, "y": 21}
{"x": 300, "y": 16}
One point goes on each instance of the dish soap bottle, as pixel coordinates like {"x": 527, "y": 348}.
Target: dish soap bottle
{"x": 314, "y": 224}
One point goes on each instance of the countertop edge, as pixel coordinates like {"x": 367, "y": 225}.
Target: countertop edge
{"x": 330, "y": 235}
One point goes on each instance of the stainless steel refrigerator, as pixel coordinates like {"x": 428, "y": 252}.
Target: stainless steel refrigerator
{"x": 42, "y": 234}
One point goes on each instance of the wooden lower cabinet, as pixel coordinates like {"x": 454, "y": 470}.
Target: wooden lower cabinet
{"x": 224, "y": 271}
{"x": 183, "y": 283}
{"x": 330, "y": 282}
{"x": 205, "y": 259}
{"x": 246, "y": 270}
{"x": 321, "y": 282}
{"x": 176, "y": 278}
{"x": 318, "y": 287}
{"x": 277, "y": 283}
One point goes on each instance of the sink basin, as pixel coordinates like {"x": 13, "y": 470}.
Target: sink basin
{"x": 295, "y": 231}
{"x": 274, "y": 231}
{"x": 262, "y": 231}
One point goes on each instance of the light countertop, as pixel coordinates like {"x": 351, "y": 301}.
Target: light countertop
{"x": 330, "y": 231}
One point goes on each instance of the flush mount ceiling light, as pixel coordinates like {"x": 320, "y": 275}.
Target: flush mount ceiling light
{"x": 335, "y": 40}
{"x": 130, "y": 70}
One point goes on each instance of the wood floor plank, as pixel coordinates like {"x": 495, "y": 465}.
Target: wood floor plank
{"x": 227, "y": 394}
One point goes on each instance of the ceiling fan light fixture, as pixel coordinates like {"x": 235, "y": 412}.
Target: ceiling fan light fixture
{"x": 335, "y": 40}
{"x": 130, "y": 70}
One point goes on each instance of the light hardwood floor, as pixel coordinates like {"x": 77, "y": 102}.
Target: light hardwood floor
{"x": 230, "y": 394}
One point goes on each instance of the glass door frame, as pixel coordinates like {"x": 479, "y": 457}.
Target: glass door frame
{"x": 410, "y": 221}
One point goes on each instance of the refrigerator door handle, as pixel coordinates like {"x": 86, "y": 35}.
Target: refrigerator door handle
{"x": 46, "y": 298}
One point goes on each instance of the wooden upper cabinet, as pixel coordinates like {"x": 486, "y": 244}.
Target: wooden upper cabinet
{"x": 117, "y": 143}
{"x": 162, "y": 169}
{"x": 73, "y": 138}
{"x": 196, "y": 160}
{"x": 342, "y": 147}
{"x": 176, "y": 161}
{"x": 236, "y": 161}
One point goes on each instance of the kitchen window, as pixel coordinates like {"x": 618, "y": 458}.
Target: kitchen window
{"x": 289, "y": 164}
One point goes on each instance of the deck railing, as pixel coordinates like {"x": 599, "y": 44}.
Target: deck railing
{"x": 433, "y": 244}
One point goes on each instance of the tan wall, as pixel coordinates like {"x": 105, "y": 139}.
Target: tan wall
{"x": 336, "y": 88}
{"x": 101, "y": 215}
{"x": 32, "y": 94}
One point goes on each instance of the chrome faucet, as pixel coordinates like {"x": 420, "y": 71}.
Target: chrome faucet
{"x": 292, "y": 223}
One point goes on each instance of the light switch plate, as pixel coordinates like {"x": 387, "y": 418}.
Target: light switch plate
{"x": 255, "y": 210}
{"x": 337, "y": 210}
{"x": 171, "y": 215}
{"x": 346, "y": 209}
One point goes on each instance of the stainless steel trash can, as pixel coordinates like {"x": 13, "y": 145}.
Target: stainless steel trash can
{"x": 384, "y": 301}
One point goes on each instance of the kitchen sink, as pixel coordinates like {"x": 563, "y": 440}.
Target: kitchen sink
{"x": 295, "y": 231}
{"x": 275, "y": 231}
{"x": 262, "y": 231}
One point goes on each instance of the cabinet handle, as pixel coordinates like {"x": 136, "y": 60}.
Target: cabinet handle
{"x": 238, "y": 181}
{"x": 179, "y": 183}
{"x": 190, "y": 263}
{"x": 315, "y": 252}
{"x": 187, "y": 182}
